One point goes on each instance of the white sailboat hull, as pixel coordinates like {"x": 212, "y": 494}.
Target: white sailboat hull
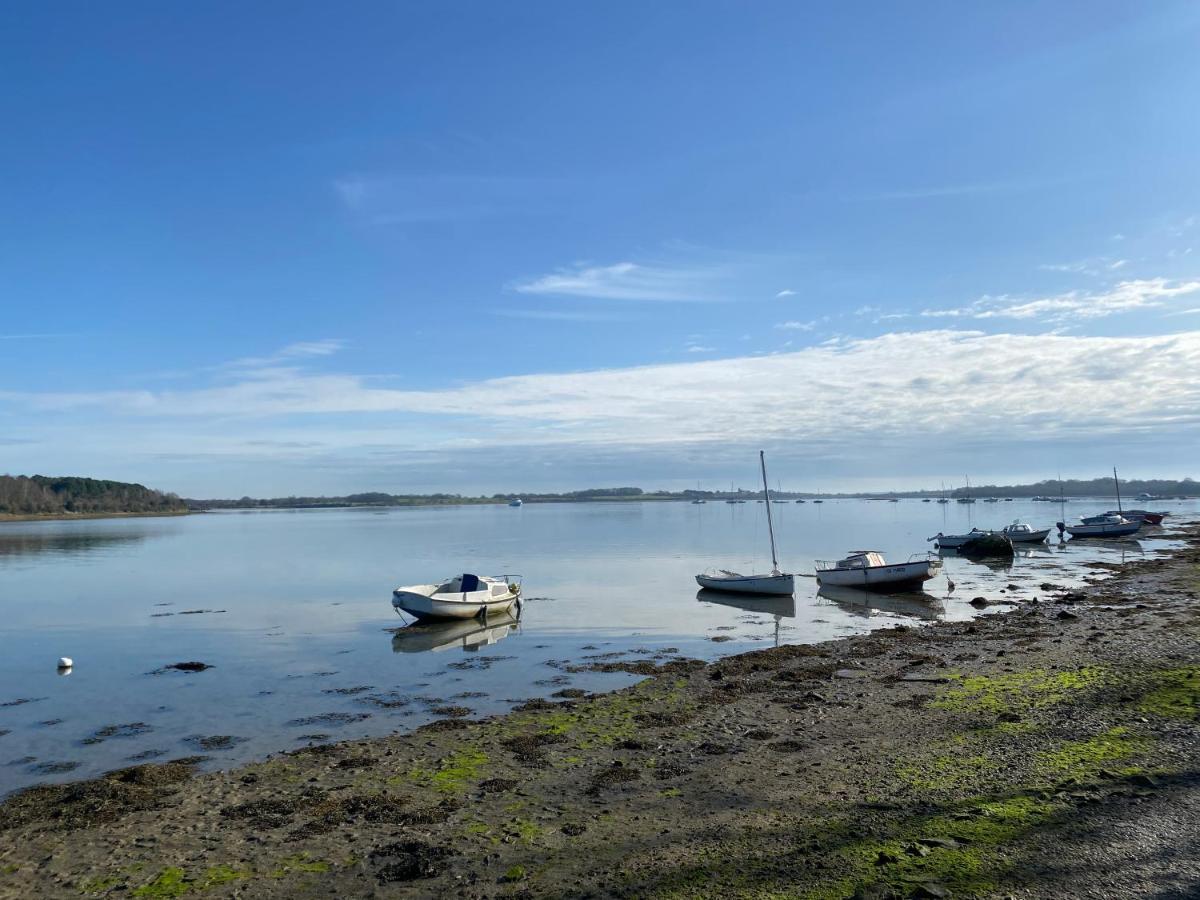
{"x": 777, "y": 585}
{"x": 1124, "y": 530}
{"x": 909, "y": 574}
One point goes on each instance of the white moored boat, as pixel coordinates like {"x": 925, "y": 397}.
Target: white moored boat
{"x": 462, "y": 597}
{"x": 953, "y": 541}
{"x": 1020, "y": 533}
{"x": 724, "y": 580}
{"x": 775, "y": 583}
{"x": 868, "y": 569}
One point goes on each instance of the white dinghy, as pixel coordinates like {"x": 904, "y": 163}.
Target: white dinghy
{"x": 1020, "y": 533}
{"x": 776, "y": 583}
{"x": 868, "y": 569}
{"x": 462, "y": 597}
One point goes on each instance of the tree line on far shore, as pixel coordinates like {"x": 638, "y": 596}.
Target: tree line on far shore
{"x": 42, "y": 495}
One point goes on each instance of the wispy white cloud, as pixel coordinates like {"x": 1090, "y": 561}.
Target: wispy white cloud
{"x": 1127, "y": 296}
{"x": 560, "y": 315}
{"x": 1095, "y": 266}
{"x": 406, "y": 199}
{"x": 793, "y": 325}
{"x": 700, "y": 348}
{"x": 786, "y": 292}
{"x": 626, "y": 281}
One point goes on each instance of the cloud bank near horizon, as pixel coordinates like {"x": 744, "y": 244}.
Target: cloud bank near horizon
{"x": 868, "y": 399}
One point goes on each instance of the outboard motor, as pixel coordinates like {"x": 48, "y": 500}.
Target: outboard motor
{"x": 1061, "y": 529}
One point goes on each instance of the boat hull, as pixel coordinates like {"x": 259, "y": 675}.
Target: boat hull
{"x": 451, "y": 606}
{"x": 901, "y": 576}
{"x": 1103, "y": 531}
{"x": 1028, "y": 537}
{"x": 773, "y": 585}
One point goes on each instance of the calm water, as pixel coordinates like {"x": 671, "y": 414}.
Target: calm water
{"x": 292, "y": 609}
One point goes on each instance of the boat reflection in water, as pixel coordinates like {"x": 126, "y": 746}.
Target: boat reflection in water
{"x": 996, "y": 564}
{"x": 916, "y": 604}
{"x": 781, "y": 607}
{"x": 461, "y": 634}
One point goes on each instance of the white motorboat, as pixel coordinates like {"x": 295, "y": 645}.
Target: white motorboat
{"x": 869, "y": 570}
{"x": 951, "y": 541}
{"x": 462, "y": 597}
{"x": 516, "y": 501}
{"x": 776, "y": 582}
{"x": 1102, "y": 526}
{"x": 1020, "y": 533}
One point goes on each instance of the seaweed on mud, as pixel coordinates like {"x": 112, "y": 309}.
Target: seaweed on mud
{"x": 664, "y": 718}
{"x": 214, "y": 741}
{"x": 573, "y": 829}
{"x": 527, "y": 748}
{"x": 54, "y": 768}
{"x": 537, "y": 704}
{"x": 788, "y": 745}
{"x": 444, "y": 725}
{"x": 147, "y": 754}
{"x": 189, "y": 667}
{"x": 348, "y": 691}
{"x": 356, "y": 762}
{"x": 99, "y": 801}
{"x": 617, "y": 773}
{"x": 453, "y": 712}
{"x": 333, "y": 718}
{"x": 409, "y": 860}
{"x": 131, "y": 729}
{"x": 390, "y": 700}
{"x": 497, "y": 785}
{"x": 710, "y": 748}
{"x": 374, "y": 808}
{"x": 264, "y": 814}
{"x": 477, "y": 663}
{"x": 21, "y": 701}
{"x": 677, "y": 666}
{"x": 570, "y": 693}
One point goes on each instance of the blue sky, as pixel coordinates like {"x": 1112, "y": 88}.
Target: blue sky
{"x": 297, "y": 248}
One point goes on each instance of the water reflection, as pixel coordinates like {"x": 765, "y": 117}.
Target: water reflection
{"x": 15, "y": 544}
{"x": 917, "y": 604}
{"x": 995, "y": 564}
{"x": 462, "y": 634}
{"x": 779, "y": 607}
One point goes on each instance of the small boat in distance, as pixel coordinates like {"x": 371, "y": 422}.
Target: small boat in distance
{"x": 777, "y": 582}
{"x": 968, "y": 498}
{"x": 868, "y": 569}
{"x": 1020, "y": 533}
{"x": 516, "y": 501}
{"x": 462, "y": 597}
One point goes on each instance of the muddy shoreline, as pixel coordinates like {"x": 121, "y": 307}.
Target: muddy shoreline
{"x": 1049, "y": 752}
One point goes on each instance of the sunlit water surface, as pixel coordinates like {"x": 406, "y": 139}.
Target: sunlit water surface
{"x": 292, "y": 610}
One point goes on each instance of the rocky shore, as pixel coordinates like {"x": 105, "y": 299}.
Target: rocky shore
{"x": 1049, "y": 752}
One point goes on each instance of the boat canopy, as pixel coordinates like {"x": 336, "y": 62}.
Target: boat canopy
{"x": 862, "y": 559}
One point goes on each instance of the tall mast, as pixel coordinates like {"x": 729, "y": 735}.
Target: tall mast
{"x": 1118, "y": 485}
{"x": 762, "y": 460}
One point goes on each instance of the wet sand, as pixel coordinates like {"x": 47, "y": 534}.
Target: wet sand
{"x": 1048, "y": 752}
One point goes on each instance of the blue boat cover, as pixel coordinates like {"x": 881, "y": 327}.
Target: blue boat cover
{"x": 470, "y": 583}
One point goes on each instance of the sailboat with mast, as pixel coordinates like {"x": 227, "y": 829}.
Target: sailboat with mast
{"x": 775, "y": 583}
{"x": 968, "y": 498}
{"x": 1107, "y": 525}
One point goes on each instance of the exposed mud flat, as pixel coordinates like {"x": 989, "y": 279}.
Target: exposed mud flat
{"x": 1048, "y": 752}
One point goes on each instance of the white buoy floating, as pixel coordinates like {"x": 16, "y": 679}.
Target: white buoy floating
{"x": 65, "y": 662}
